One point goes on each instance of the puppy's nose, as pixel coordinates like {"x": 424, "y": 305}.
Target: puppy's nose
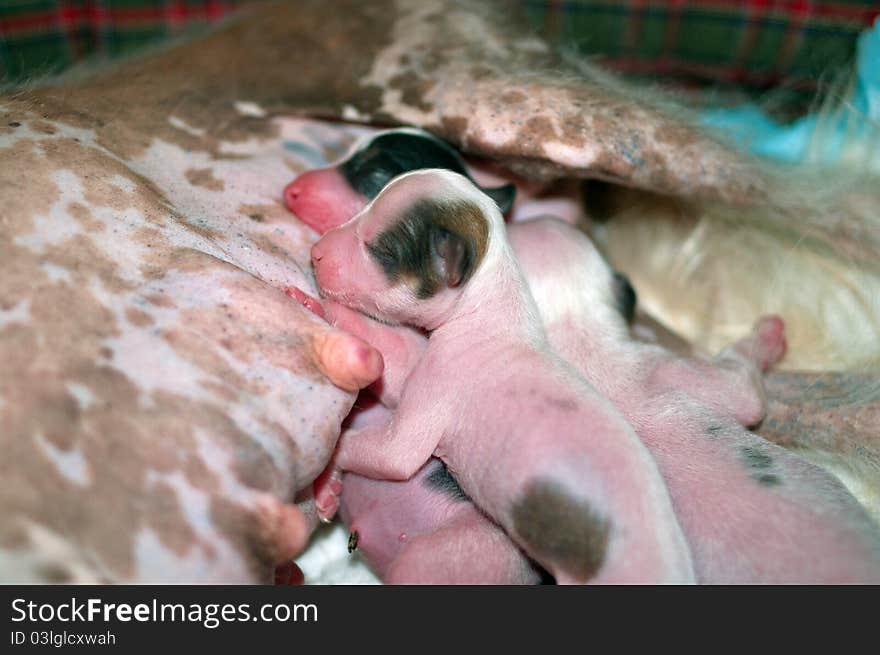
{"x": 292, "y": 192}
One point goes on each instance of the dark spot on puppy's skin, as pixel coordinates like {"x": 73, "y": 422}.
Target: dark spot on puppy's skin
{"x": 14, "y": 124}
{"x": 556, "y": 527}
{"x": 714, "y": 430}
{"x": 769, "y": 480}
{"x": 433, "y": 243}
{"x": 441, "y": 480}
{"x": 565, "y": 404}
{"x": 760, "y": 462}
{"x": 352, "y": 541}
{"x": 624, "y": 296}
{"x": 391, "y": 154}
{"x": 755, "y": 459}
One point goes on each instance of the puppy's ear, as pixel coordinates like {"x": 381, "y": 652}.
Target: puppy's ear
{"x": 503, "y": 196}
{"x": 451, "y": 257}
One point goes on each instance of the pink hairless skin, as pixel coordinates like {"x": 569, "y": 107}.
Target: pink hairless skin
{"x": 393, "y": 519}
{"x": 431, "y": 251}
{"x": 424, "y": 530}
{"x": 727, "y": 393}
{"x": 751, "y": 510}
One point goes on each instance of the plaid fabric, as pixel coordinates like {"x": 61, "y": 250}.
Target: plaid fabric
{"x": 747, "y": 43}
{"x": 46, "y": 36}
{"x": 750, "y": 43}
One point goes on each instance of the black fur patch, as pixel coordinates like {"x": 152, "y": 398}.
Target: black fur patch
{"x": 391, "y": 154}
{"x": 624, "y": 296}
{"x": 352, "y": 541}
{"x": 558, "y": 528}
{"x": 440, "y": 479}
{"x": 423, "y": 234}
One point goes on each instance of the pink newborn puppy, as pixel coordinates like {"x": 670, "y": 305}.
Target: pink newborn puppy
{"x": 526, "y": 437}
{"x": 423, "y": 530}
{"x": 751, "y": 510}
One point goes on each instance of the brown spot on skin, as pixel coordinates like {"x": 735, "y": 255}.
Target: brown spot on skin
{"x": 169, "y": 520}
{"x": 160, "y": 300}
{"x": 258, "y": 548}
{"x": 139, "y": 318}
{"x": 482, "y": 72}
{"x": 452, "y": 128}
{"x": 54, "y": 574}
{"x": 264, "y": 213}
{"x": 14, "y": 539}
{"x": 14, "y": 124}
{"x": 564, "y": 404}
{"x": 24, "y": 197}
{"x": 42, "y": 127}
{"x": 559, "y": 529}
{"x": 414, "y": 89}
{"x": 204, "y": 177}
{"x": 84, "y": 215}
{"x": 513, "y": 97}
{"x": 270, "y": 245}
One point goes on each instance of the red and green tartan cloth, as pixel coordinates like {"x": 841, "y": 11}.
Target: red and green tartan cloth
{"x": 39, "y": 37}
{"x": 755, "y": 44}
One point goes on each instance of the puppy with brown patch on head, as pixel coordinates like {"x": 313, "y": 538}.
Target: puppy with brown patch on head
{"x": 527, "y": 438}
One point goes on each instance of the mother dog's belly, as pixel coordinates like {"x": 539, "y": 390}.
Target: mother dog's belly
{"x": 158, "y": 389}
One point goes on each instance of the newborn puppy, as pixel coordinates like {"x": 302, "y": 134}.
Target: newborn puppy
{"x": 411, "y": 531}
{"x": 751, "y": 510}
{"x": 326, "y": 197}
{"x": 423, "y": 530}
{"x": 525, "y": 436}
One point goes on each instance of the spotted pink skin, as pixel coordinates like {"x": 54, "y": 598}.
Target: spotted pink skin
{"x": 180, "y": 401}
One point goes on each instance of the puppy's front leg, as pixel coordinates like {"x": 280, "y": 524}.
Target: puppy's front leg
{"x": 392, "y": 449}
{"x": 385, "y": 452}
